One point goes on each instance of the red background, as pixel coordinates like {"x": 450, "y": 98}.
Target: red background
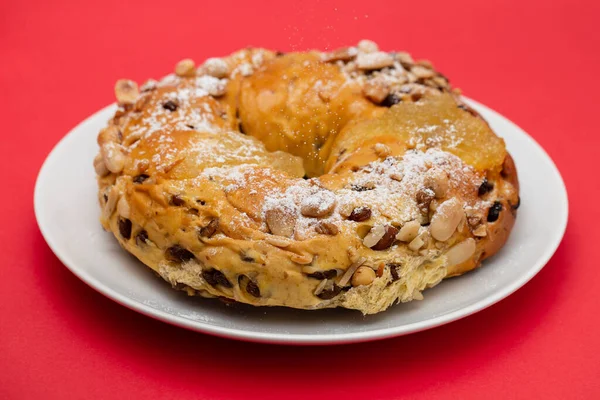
{"x": 536, "y": 62}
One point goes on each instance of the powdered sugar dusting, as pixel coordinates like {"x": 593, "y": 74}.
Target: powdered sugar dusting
{"x": 376, "y": 186}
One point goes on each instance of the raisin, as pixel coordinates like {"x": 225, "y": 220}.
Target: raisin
{"x": 179, "y": 254}
{"x": 494, "y": 212}
{"x": 141, "y": 237}
{"x": 485, "y": 187}
{"x": 214, "y": 277}
{"x": 390, "y": 100}
{"x": 125, "y": 228}
{"x": 177, "y": 201}
{"x": 253, "y": 289}
{"x": 170, "y": 105}
{"x": 394, "y": 271}
{"x": 329, "y": 274}
{"x": 140, "y": 178}
{"x": 360, "y": 214}
{"x": 330, "y": 293}
{"x": 210, "y": 229}
{"x": 247, "y": 258}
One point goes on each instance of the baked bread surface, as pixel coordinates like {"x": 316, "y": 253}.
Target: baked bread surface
{"x": 353, "y": 178}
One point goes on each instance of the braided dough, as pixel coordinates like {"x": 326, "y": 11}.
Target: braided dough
{"x": 354, "y": 178}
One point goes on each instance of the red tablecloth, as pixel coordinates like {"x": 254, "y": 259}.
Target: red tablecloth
{"x": 536, "y": 62}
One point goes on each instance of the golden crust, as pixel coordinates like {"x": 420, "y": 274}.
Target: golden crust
{"x": 393, "y": 208}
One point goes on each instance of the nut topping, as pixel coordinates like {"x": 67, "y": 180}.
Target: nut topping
{"x": 123, "y": 207}
{"x": 126, "y": 92}
{"x": 416, "y": 243}
{"x": 185, "y": 68}
{"x": 214, "y": 67}
{"x": 373, "y": 61}
{"x": 350, "y": 271}
{"x": 446, "y": 219}
{"x": 480, "y": 231}
{"x": 436, "y": 180}
{"x": 343, "y": 54}
{"x": 327, "y": 228}
{"x": 280, "y": 221}
{"x": 319, "y": 204}
{"x": 409, "y": 231}
{"x": 382, "y": 150}
{"x": 363, "y": 276}
{"x": 302, "y": 259}
{"x": 376, "y": 90}
{"x": 424, "y": 198}
{"x": 113, "y": 157}
{"x": 380, "y": 237}
{"x": 422, "y": 72}
{"x": 367, "y": 46}
{"x": 461, "y": 252}
{"x": 99, "y": 166}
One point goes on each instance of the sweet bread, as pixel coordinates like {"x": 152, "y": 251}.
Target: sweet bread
{"x": 354, "y": 178}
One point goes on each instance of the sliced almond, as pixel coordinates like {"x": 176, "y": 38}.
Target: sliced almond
{"x": 278, "y": 241}
{"x": 343, "y": 54}
{"x": 367, "y": 46}
{"x": 461, "y": 252}
{"x": 376, "y": 60}
{"x": 281, "y": 221}
{"x": 113, "y": 157}
{"x": 123, "y": 208}
{"x": 417, "y": 243}
{"x": 446, "y": 219}
{"x": 302, "y": 259}
{"x": 111, "y": 202}
{"x": 409, "y": 231}
{"x": 422, "y": 72}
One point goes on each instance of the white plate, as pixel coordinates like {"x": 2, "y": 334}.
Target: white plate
{"x": 67, "y": 213}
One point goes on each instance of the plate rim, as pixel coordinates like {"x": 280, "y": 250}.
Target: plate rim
{"x": 303, "y": 339}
